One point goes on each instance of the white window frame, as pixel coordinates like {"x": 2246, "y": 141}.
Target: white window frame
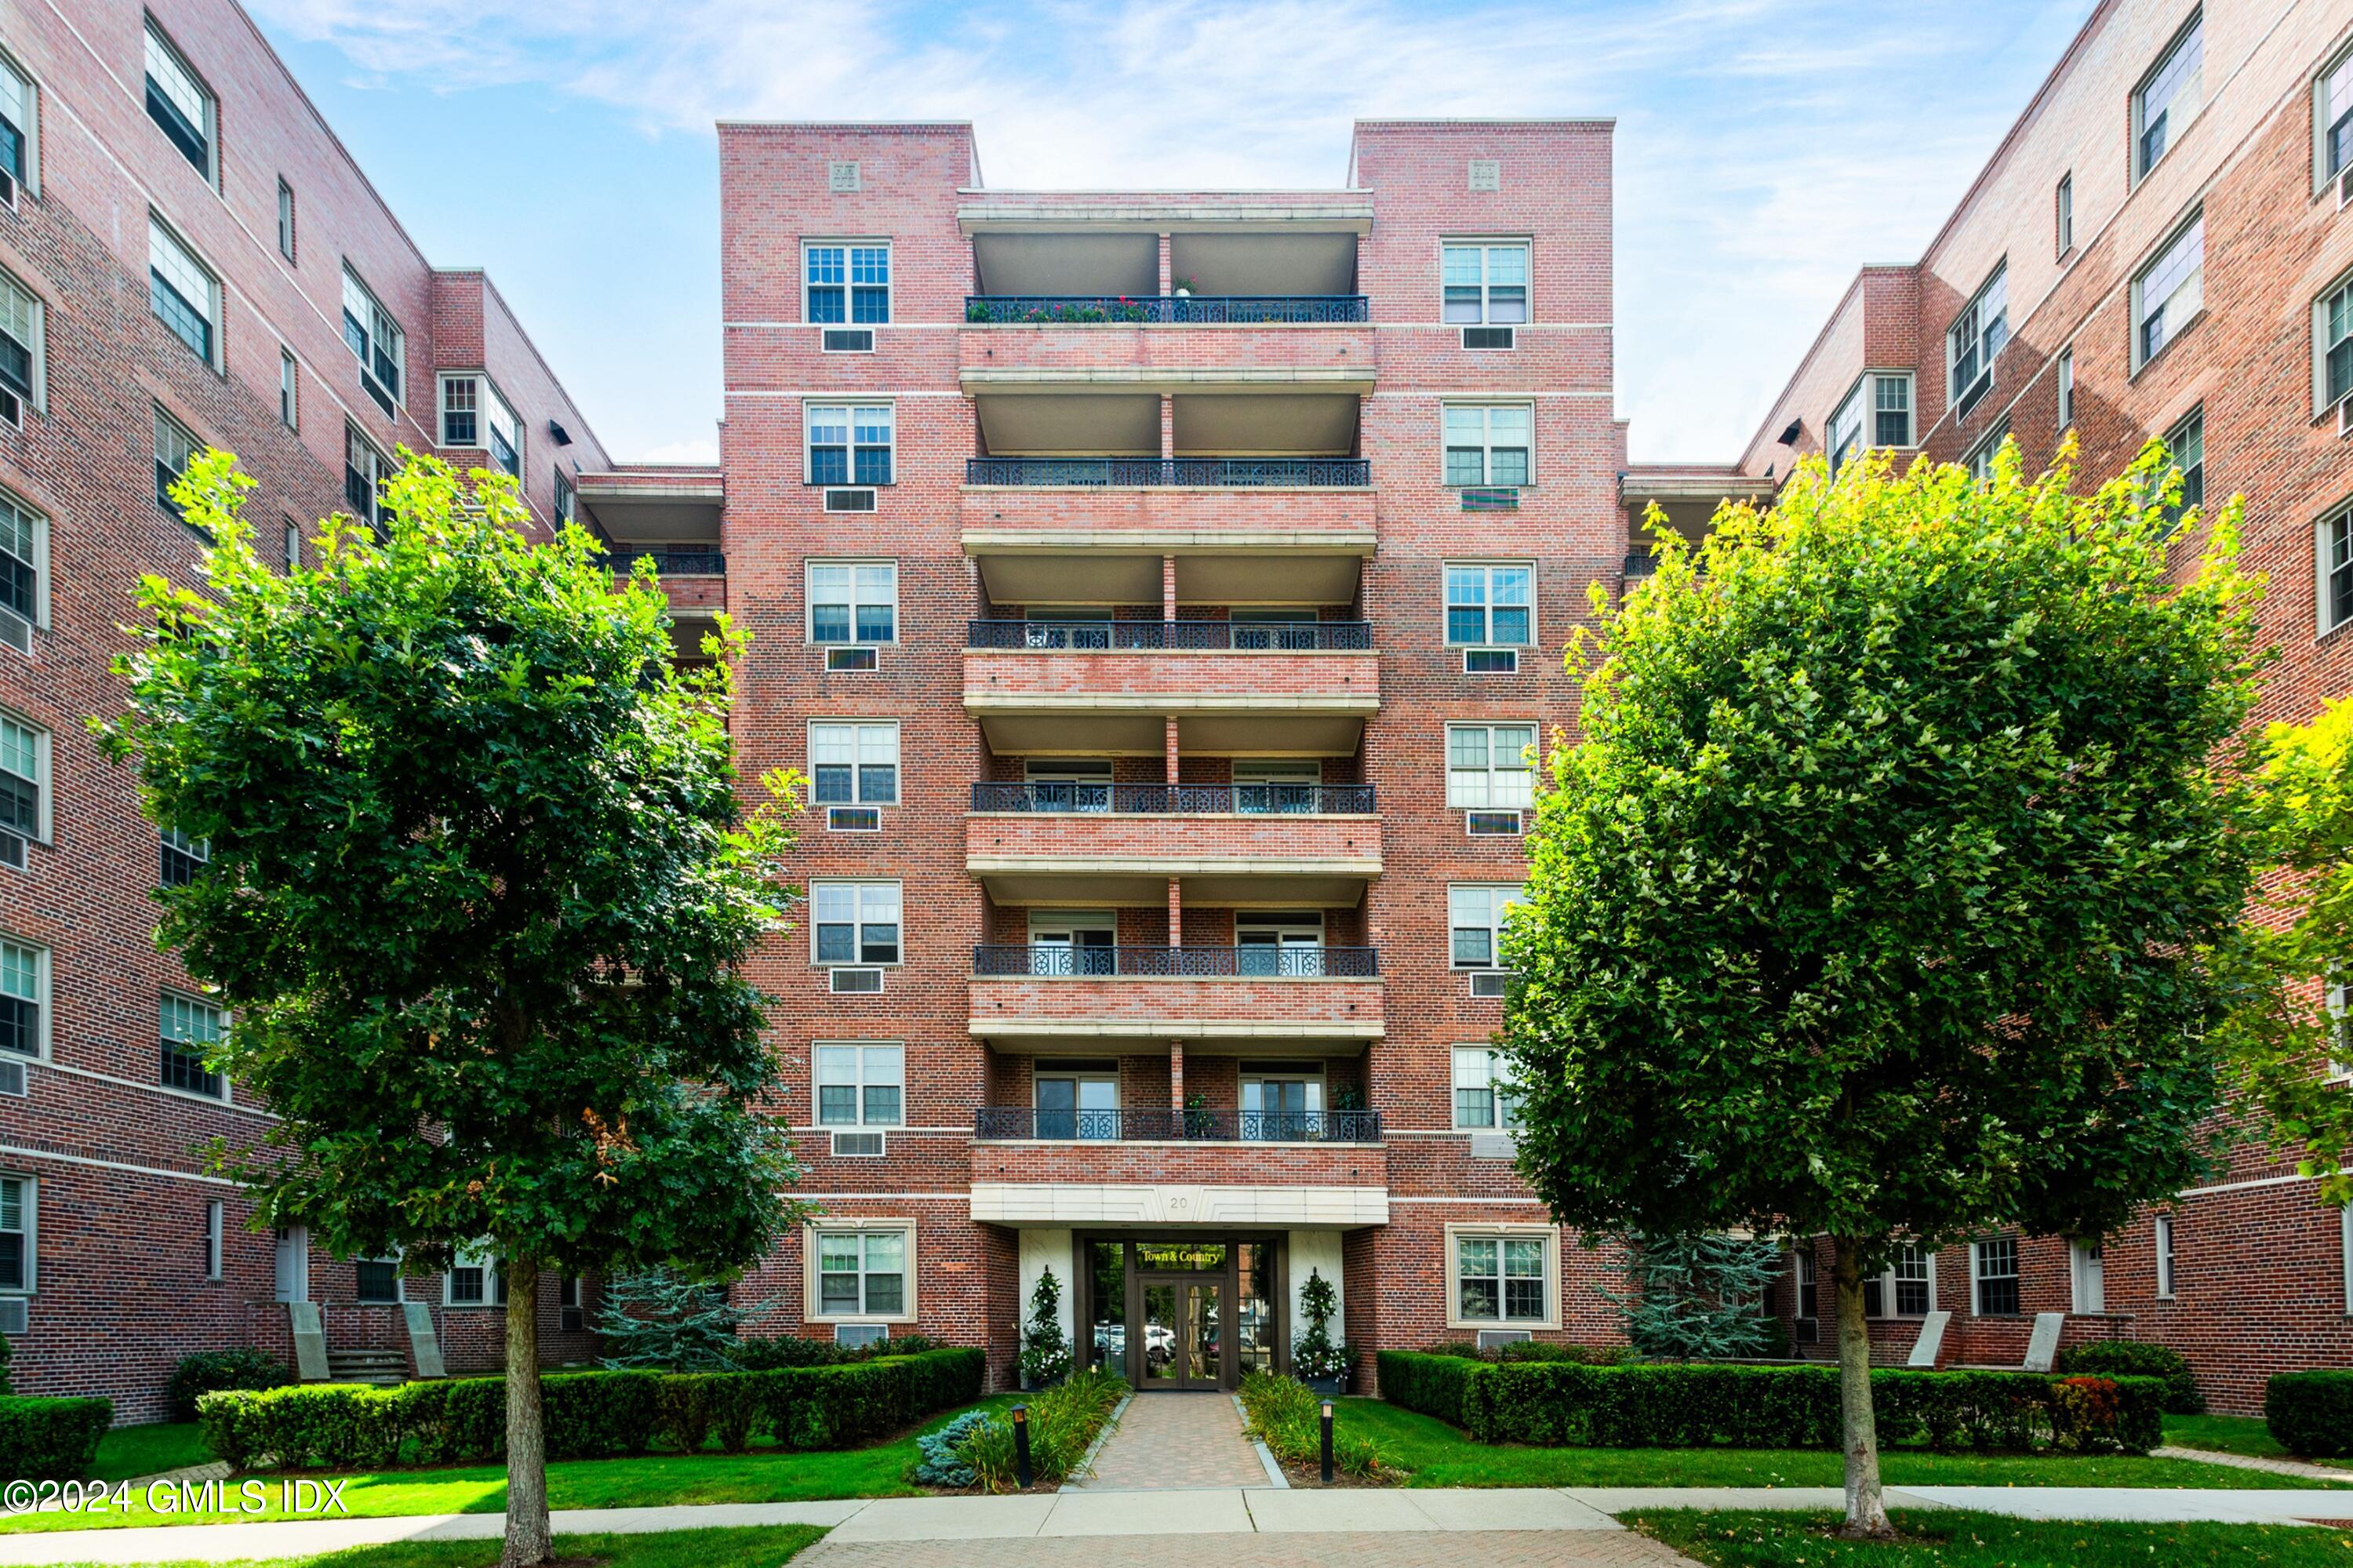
{"x": 380, "y": 332}
{"x": 380, "y": 469}
{"x": 2345, "y": 1238}
{"x": 858, "y": 730}
{"x": 475, "y": 1257}
{"x": 2088, "y": 1284}
{"x": 36, "y": 526}
{"x": 1860, "y": 410}
{"x": 2184, "y": 297}
{"x": 2062, "y": 218}
{"x": 165, "y": 245}
{"x": 286, "y": 217}
{"x": 490, "y": 410}
{"x": 45, "y": 764}
{"x": 808, "y": 597}
{"x": 1498, "y": 908}
{"x": 290, "y": 389}
{"x": 1887, "y": 1279}
{"x": 851, "y": 411}
{"x": 1458, "y": 781}
{"x": 2064, "y": 377}
{"x": 399, "y": 1280}
{"x": 1486, "y": 248}
{"x": 1486, "y": 409}
{"x": 1547, "y": 1236}
{"x": 2338, "y": 522}
{"x": 859, "y": 887}
{"x": 2193, "y": 421}
{"x": 23, "y": 316}
{"x": 813, "y": 1242}
{"x": 209, "y": 123}
{"x": 167, "y": 423}
{"x": 190, "y": 1044}
{"x": 2340, "y": 65}
{"x": 1978, "y": 334}
{"x": 213, "y": 1218}
{"x": 2161, "y": 1240}
{"x": 27, "y": 94}
{"x": 1487, "y": 606}
{"x": 41, "y": 998}
{"x": 1487, "y": 1068}
{"x": 29, "y": 1213}
{"x": 1976, "y": 1277}
{"x": 873, "y": 1063}
{"x": 1979, "y": 460}
{"x": 2338, "y": 288}
{"x": 2188, "y": 95}
{"x": 849, "y": 284}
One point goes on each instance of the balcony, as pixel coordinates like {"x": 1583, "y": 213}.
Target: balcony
{"x": 1024, "y": 1123}
{"x": 1178, "y": 636}
{"x": 1200, "y": 472}
{"x": 1176, "y": 963}
{"x": 1131, "y": 310}
{"x": 1043, "y": 996}
{"x": 1306, "y": 845}
{"x": 1177, "y": 800}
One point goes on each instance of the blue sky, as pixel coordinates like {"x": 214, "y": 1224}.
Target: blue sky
{"x": 1765, "y": 148}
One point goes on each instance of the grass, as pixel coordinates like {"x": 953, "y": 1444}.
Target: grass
{"x": 2231, "y": 1434}
{"x": 652, "y": 1481}
{"x": 127, "y": 1451}
{"x": 1436, "y": 1455}
{"x": 1939, "y": 1539}
{"x": 762, "y": 1546}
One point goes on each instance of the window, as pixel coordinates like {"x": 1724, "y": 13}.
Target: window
{"x": 853, "y": 601}
{"x": 2332, "y": 119}
{"x": 1980, "y": 462}
{"x": 21, "y": 369}
{"x": 183, "y": 858}
{"x": 17, "y": 1247}
{"x": 1875, "y": 412}
{"x": 2063, "y": 204}
{"x": 474, "y": 414}
{"x": 24, "y": 998}
{"x": 847, "y": 283}
{"x": 855, "y": 764}
{"x": 24, "y": 566}
{"x": 377, "y": 341}
{"x": 861, "y": 1085}
{"x": 2170, "y": 290}
{"x": 1892, "y": 410}
{"x": 285, "y": 219}
{"x": 1975, "y": 339}
{"x": 2087, "y": 1277}
{"x": 1476, "y": 918}
{"x": 2333, "y": 552}
{"x": 475, "y": 1279}
{"x": 2066, "y": 380}
{"x": 862, "y": 1274}
{"x": 564, "y": 498}
{"x": 1489, "y": 606}
{"x": 19, "y": 132}
{"x": 848, "y": 445}
{"x": 289, "y": 376}
{"x": 1482, "y": 1096}
{"x": 2332, "y": 368}
{"x": 855, "y": 922}
{"x": 1485, "y": 285}
{"x": 1842, "y": 436}
{"x": 181, "y": 105}
{"x": 1488, "y": 444}
{"x": 1909, "y": 1282}
{"x": 1807, "y": 1281}
{"x": 213, "y": 1239}
{"x": 2167, "y": 96}
{"x": 365, "y": 471}
{"x": 1993, "y": 1266}
{"x": 1502, "y": 1279}
{"x": 181, "y": 292}
{"x": 2186, "y": 444}
{"x": 173, "y": 447}
{"x": 293, "y": 545}
{"x": 1487, "y": 768}
{"x": 190, "y": 1029}
{"x": 376, "y": 1281}
{"x": 461, "y": 411}
{"x": 24, "y": 785}
{"x": 2164, "y": 1247}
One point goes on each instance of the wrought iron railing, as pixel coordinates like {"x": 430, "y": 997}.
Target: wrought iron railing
{"x": 1159, "y": 1124}
{"x": 1072, "y": 796}
{"x": 1128, "y": 636}
{"x": 1640, "y": 566}
{"x": 1231, "y": 473}
{"x": 672, "y": 563}
{"x": 1249, "y": 960}
{"x": 1085, "y": 310}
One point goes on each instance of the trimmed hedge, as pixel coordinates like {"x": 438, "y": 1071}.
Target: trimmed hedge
{"x": 1688, "y": 1405}
{"x": 201, "y": 1374}
{"x": 589, "y": 1414}
{"x": 51, "y": 1439}
{"x": 2311, "y": 1413}
{"x": 2138, "y": 1358}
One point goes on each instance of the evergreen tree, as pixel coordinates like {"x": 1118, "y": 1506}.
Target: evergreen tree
{"x": 1045, "y": 1350}
{"x": 666, "y": 1321}
{"x": 1696, "y": 1295}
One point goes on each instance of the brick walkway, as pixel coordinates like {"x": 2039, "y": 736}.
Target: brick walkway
{"x": 1489, "y": 1549}
{"x": 2259, "y": 1462}
{"x": 1177, "y": 1442}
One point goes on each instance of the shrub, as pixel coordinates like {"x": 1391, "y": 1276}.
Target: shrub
{"x": 942, "y": 1463}
{"x": 2311, "y": 1413}
{"x": 1315, "y": 1354}
{"x": 767, "y": 1353}
{"x": 51, "y": 1439}
{"x": 2135, "y": 1358}
{"x": 1045, "y": 1350}
{"x": 207, "y": 1369}
{"x": 2085, "y": 1414}
{"x": 1288, "y": 1417}
{"x": 1063, "y": 1422}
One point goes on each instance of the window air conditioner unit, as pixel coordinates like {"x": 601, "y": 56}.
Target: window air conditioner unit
{"x": 838, "y": 660}
{"x": 1491, "y": 498}
{"x": 857, "y": 1334}
{"x": 849, "y": 340}
{"x": 1486, "y": 337}
{"x": 1492, "y": 824}
{"x": 15, "y": 632}
{"x": 12, "y": 852}
{"x": 1494, "y": 1145}
{"x": 11, "y": 1078}
{"x": 2344, "y": 188}
{"x": 1492, "y": 1338}
{"x": 15, "y": 1314}
{"x": 568, "y": 1319}
{"x": 1490, "y": 660}
{"x": 850, "y": 500}
{"x": 1490, "y": 983}
{"x": 853, "y": 820}
{"x": 857, "y": 1146}
{"x": 856, "y": 982}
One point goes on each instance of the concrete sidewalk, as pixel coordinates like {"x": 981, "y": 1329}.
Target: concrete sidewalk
{"x": 1527, "y": 1514}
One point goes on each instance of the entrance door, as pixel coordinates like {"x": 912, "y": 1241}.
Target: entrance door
{"x": 1183, "y": 1331}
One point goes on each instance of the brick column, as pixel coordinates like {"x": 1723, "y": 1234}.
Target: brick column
{"x": 1176, "y": 1077}
{"x": 1171, "y": 780}
{"x": 1165, "y": 274}
{"x": 1167, "y": 588}
{"x": 1175, "y": 912}
{"x": 1167, "y": 427}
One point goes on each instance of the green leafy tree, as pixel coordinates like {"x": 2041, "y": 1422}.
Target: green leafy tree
{"x": 1696, "y": 1294}
{"x": 670, "y": 1321}
{"x": 479, "y": 896}
{"x": 1045, "y": 1350}
{"x": 1878, "y": 902}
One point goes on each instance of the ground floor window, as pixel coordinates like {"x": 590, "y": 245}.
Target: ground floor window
{"x": 1502, "y": 1278}
{"x": 376, "y": 1281}
{"x": 1908, "y": 1288}
{"x": 864, "y": 1273}
{"x": 1995, "y": 1268}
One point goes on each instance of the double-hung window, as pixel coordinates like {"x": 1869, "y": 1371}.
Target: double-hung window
{"x": 365, "y": 469}
{"x": 1906, "y": 1289}
{"x": 190, "y": 1029}
{"x": 2064, "y": 214}
{"x": 20, "y": 349}
{"x": 1974, "y": 340}
{"x": 181, "y": 105}
{"x": 2332, "y": 346}
{"x": 849, "y": 445}
{"x": 461, "y": 411}
{"x": 2170, "y": 290}
{"x": 474, "y": 414}
{"x": 23, "y": 788}
{"x": 1500, "y": 1279}
{"x": 2169, "y": 96}
{"x": 1490, "y": 606}
{"x": 1993, "y": 1268}
{"x": 184, "y": 858}
{"x": 376, "y": 1281}
{"x": 2065, "y": 377}
{"x": 1979, "y": 460}
{"x": 564, "y": 499}
{"x": 847, "y": 283}
{"x": 861, "y": 1085}
{"x": 1486, "y": 284}
{"x": 853, "y": 601}
{"x": 2333, "y": 554}
{"x": 290, "y": 390}
{"x": 1875, "y": 412}
{"x": 475, "y": 1279}
{"x": 285, "y": 218}
{"x": 2164, "y": 1247}
{"x": 183, "y": 291}
{"x": 24, "y": 572}
{"x": 1475, "y": 924}
{"x": 16, "y": 1233}
{"x": 862, "y": 1274}
{"x": 24, "y": 998}
{"x": 2185, "y": 445}
{"x": 854, "y": 922}
{"x": 1487, "y": 767}
{"x": 855, "y": 764}
{"x": 212, "y": 1242}
{"x": 1488, "y": 443}
{"x": 377, "y": 341}
{"x": 19, "y": 131}
{"x": 2332, "y": 121}
{"x": 1484, "y": 1101}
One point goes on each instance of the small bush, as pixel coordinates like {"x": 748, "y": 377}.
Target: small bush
{"x": 2086, "y": 1415}
{"x": 51, "y": 1439}
{"x": 205, "y": 1371}
{"x": 1288, "y": 1417}
{"x": 2311, "y": 1413}
{"x": 942, "y": 1463}
{"x": 1063, "y": 1422}
{"x": 2135, "y": 1358}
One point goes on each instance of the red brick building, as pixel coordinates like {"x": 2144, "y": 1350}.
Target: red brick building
{"x": 2161, "y": 247}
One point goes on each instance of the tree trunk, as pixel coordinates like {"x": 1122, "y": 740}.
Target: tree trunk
{"x": 528, "y": 1537}
{"x": 1866, "y": 1505}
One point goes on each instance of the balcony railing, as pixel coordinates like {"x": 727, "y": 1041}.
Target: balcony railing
{"x": 1232, "y": 474}
{"x": 1190, "y": 636}
{"x": 1171, "y": 1125}
{"x": 1216, "y": 309}
{"x": 1247, "y": 960}
{"x": 1177, "y": 800}
{"x": 672, "y": 563}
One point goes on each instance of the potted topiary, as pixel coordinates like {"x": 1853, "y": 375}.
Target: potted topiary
{"x": 1316, "y": 1358}
{"x": 1045, "y": 1352}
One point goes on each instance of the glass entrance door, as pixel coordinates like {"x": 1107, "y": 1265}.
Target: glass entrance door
{"x": 1183, "y": 1332}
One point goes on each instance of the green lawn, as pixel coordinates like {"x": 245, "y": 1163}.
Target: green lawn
{"x": 1436, "y": 1455}
{"x": 129, "y": 1451}
{"x": 1954, "y": 1539}
{"x": 655, "y": 1479}
{"x": 2231, "y": 1435}
{"x": 765, "y": 1546}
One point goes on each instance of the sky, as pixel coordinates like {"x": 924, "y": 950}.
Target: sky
{"x": 1765, "y": 150}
